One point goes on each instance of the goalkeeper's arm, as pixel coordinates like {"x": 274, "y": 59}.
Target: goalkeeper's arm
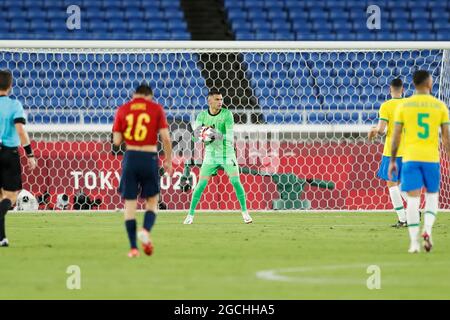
{"x": 215, "y": 135}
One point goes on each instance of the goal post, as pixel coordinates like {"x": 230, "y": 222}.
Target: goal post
{"x": 302, "y": 112}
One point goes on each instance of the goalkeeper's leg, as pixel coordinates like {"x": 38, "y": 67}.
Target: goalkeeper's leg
{"x": 197, "y": 194}
{"x": 206, "y": 171}
{"x": 233, "y": 174}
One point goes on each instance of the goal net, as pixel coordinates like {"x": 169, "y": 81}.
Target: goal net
{"x": 302, "y": 112}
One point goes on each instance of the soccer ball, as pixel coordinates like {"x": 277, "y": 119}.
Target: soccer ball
{"x": 206, "y": 134}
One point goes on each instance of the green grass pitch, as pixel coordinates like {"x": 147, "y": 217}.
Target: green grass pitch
{"x": 310, "y": 255}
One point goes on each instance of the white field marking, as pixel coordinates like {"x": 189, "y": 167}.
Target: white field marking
{"x": 276, "y": 274}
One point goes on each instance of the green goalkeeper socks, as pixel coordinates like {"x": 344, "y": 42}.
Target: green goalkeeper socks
{"x": 240, "y": 192}
{"x": 197, "y": 195}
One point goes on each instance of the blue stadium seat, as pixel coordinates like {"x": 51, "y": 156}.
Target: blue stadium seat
{"x": 134, "y": 14}
{"x": 318, "y": 15}
{"x": 425, "y": 36}
{"x": 418, "y": 15}
{"x": 153, "y": 14}
{"x": 443, "y": 36}
{"x": 170, "y": 14}
{"x": 340, "y": 36}
{"x": 244, "y": 35}
{"x": 439, "y": 15}
{"x": 301, "y": 14}
{"x": 437, "y": 5}
{"x": 112, "y": 15}
{"x": 399, "y": 15}
{"x": 342, "y": 26}
{"x": 254, "y": 4}
{"x": 338, "y": 14}
{"x": 305, "y": 36}
{"x": 284, "y": 35}
{"x": 329, "y": 36}
{"x": 19, "y": 26}
{"x": 237, "y": 14}
{"x": 386, "y": 36}
{"x": 422, "y": 25}
{"x": 273, "y": 15}
{"x": 256, "y": 14}
{"x": 37, "y": 14}
{"x": 301, "y": 25}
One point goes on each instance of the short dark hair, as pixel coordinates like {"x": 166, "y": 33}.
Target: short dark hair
{"x": 144, "y": 89}
{"x": 5, "y": 79}
{"x": 397, "y": 83}
{"x": 419, "y": 77}
{"x": 214, "y": 92}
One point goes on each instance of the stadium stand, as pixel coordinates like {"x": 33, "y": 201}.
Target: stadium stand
{"x": 101, "y": 19}
{"x": 304, "y": 87}
{"x": 337, "y": 20}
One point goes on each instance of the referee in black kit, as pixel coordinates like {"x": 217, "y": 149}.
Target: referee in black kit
{"x": 12, "y": 134}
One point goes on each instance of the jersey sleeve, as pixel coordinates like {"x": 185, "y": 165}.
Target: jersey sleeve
{"x": 199, "y": 120}
{"x": 383, "y": 113}
{"x": 19, "y": 113}
{"x": 229, "y": 124}
{"x": 398, "y": 117}
{"x": 198, "y": 123}
{"x": 118, "y": 122}
{"x": 162, "y": 123}
{"x": 444, "y": 118}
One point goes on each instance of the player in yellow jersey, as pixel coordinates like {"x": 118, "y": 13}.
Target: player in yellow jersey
{"x": 386, "y": 124}
{"x": 419, "y": 119}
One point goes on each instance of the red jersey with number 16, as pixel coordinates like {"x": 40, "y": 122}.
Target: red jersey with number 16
{"x": 139, "y": 121}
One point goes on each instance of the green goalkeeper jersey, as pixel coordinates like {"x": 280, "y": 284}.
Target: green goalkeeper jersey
{"x": 219, "y": 151}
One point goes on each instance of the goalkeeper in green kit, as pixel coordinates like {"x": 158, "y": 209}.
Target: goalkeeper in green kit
{"x": 214, "y": 127}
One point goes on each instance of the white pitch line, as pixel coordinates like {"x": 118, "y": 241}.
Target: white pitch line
{"x": 276, "y": 274}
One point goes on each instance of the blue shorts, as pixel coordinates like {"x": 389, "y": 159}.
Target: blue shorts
{"x": 384, "y": 169}
{"x": 140, "y": 175}
{"x": 416, "y": 174}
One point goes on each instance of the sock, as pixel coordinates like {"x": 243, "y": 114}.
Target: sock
{"x": 240, "y": 192}
{"x": 431, "y": 208}
{"x": 404, "y": 194}
{"x": 131, "y": 231}
{"x": 5, "y": 205}
{"x": 397, "y": 202}
{"x": 197, "y": 195}
{"x": 413, "y": 218}
{"x": 149, "y": 220}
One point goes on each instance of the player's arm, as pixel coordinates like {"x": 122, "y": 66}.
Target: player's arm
{"x": 394, "y": 148}
{"x": 118, "y": 129}
{"x": 117, "y": 138}
{"x": 198, "y": 127}
{"x": 396, "y": 138}
{"x": 444, "y": 129}
{"x": 382, "y": 123}
{"x": 446, "y": 137}
{"x": 25, "y": 142}
{"x": 378, "y": 129}
{"x": 229, "y": 127}
{"x": 164, "y": 134}
{"x": 167, "y": 147}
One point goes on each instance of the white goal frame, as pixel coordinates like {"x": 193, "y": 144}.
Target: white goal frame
{"x": 215, "y": 47}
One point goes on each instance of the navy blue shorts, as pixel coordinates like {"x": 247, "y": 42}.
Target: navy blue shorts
{"x": 140, "y": 175}
{"x": 384, "y": 168}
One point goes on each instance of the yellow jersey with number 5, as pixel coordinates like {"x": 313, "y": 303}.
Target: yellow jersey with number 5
{"x": 387, "y": 113}
{"x": 422, "y": 116}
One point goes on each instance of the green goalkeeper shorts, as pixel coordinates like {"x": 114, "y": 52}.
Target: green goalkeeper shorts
{"x": 208, "y": 170}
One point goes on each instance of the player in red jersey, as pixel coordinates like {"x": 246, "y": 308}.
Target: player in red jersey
{"x": 138, "y": 123}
